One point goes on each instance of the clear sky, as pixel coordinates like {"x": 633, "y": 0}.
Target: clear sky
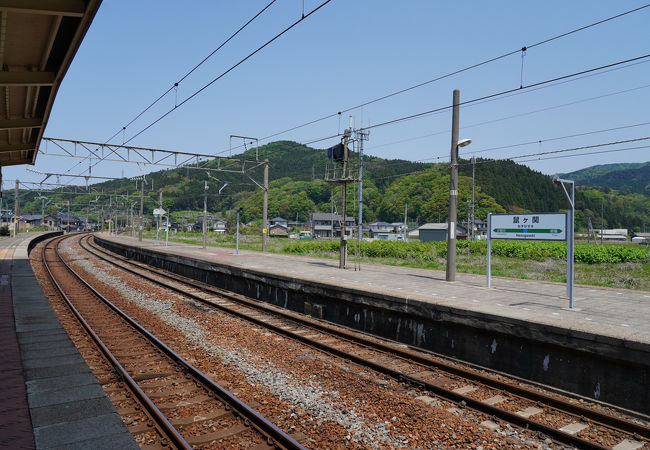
{"x": 350, "y": 52}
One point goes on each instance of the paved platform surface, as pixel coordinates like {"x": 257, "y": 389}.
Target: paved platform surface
{"x": 601, "y": 312}
{"x": 48, "y": 397}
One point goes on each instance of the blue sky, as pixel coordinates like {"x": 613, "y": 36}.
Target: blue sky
{"x": 350, "y": 52}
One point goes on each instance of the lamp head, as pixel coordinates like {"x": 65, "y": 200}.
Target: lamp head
{"x": 464, "y": 142}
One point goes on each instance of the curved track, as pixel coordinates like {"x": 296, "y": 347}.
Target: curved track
{"x": 188, "y": 408}
{"x": 498, "y": 397}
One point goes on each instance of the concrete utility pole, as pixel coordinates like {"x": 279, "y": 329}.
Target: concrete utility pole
{"x": 205, "y": 211}
{"x": 344, "y": 242}
{"x": 265, "y": 206}
{"x": 141, "y": 209}
{"x": 42, "y": 211}
{"x": 16, "y": 209}
{"x": 453, "y": 191}
{"x": 473, "y": 218}
{"x": 406, "y": 213}
{"x": 68, "y": 217}
{"x": 361, "y": 136}
{"x": 158, "y": 216}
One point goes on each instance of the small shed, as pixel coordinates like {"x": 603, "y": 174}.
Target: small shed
{"x": 437, "y": 232}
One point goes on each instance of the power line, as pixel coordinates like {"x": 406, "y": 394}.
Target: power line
{"x": 210, "y": 83}
{"x": 572, "y": 149}
{"x": 499, "y": 94}
{"x": 176, "y": 84}
{"x": 541, "y": 141}
{"x": 450, "y": 74}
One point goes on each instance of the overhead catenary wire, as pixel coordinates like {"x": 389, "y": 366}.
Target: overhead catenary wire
{"x": 177, "y": 83}
{"x": 227, "y": 71}
{"x": 192, "y": 70}
{"x": 450, "y": 74}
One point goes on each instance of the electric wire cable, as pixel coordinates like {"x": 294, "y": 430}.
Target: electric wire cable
{"x": 176, "y": 84}
{"x": 227, "y": 71}
{"x": 456, "y": 72}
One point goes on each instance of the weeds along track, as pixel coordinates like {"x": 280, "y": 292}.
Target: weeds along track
{"x": 183, "y": 407}
{"x": 501, "y": 400}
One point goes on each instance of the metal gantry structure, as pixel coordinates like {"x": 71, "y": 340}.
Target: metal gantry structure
{"x": 95, "y": 153}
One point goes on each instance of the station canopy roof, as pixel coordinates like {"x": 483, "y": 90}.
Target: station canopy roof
{"x": 38, "y": 39}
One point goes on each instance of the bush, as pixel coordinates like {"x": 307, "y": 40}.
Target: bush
{"x": 4, "y": 231}
{"x": 420, "y": 251}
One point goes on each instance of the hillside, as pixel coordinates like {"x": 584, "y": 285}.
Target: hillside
{"x": 630, "y": 177}
{"x": 297, "y": 188}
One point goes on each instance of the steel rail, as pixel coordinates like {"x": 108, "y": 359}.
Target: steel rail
{"x": 164, "y": 425}
{"x": 263, "y": 426}
{"x": 564, "y": 406}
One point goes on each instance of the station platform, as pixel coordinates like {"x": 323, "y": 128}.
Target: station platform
{"x": 48, "y": 396}
{"x": 520, "y": 327}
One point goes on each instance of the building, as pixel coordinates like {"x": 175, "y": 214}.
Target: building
{"x": 479, "y": 229}
{"x": 327, "y": 225}
{"x": 35, "y": 220}
{"x": 616, "y": 234}
{"x": 279, "y": 221}
{"x": 278, "y": 230}
{"x": 437, "y": 232}
{"x": 387, "y": 231}
{"x": 219, "y": 226}
{"x": 69, "y": 221}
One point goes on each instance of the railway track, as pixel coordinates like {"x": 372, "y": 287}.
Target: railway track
{"x": 185, "y": 408}
{"x": 565, "y": 420}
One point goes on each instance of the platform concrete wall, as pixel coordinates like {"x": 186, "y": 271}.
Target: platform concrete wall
{"x": 607, "y": 369}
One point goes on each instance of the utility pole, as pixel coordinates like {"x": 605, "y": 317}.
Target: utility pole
{"x": 406, "y": 212}
{"x": 344, "y": 242}
{"x": 453, "y": 191}
{"x": 205, "y": 211}
{"x": 68, "y": 216}
{"x": 602, "y": 219}
{"x": 473, "y": 205}
{"x": 361, "y": 136}
{"x": 141, "y": 209}
{"x": 158, "y": 216}
{"x": 42, "y": 211}
{"x": 265, "y": 206}
{"x": 16, "y": 209}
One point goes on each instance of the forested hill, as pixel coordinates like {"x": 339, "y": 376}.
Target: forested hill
{"x": 630, "y": 177}
{"x": 297, "y": 188}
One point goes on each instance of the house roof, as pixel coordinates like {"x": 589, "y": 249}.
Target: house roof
{"x": 438, "y": 226}
{"x": 330, "y": 216}
{"x": 278, "y": 219}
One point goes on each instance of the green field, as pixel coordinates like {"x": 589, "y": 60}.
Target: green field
{"x": 614, "y": 265}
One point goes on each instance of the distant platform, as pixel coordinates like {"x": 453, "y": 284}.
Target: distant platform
{"x": 49, "y": 398}
{"x": 600, "y": 349}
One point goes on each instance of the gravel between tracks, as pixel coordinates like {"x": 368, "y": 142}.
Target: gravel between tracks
{"x": 322, "y": 398}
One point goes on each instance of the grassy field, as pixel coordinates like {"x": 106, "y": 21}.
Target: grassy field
{"x": 632, "y": 274}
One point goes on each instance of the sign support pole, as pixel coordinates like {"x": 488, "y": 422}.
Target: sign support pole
{"x": 489, "y": 251}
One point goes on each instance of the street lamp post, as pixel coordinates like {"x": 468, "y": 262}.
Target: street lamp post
{"x": 453, "y": 188}
{"x": 237, "y": 233}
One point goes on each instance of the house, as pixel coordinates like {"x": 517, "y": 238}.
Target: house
{"x": 278, "y": 221}
{"x": 70, "y": 222}
{"x": 35, "y": 220}
{"x": 219, "y": 226}
{"x": 641, "y": 238}
{"x": 387, "y": 231}
{"x": 6, "y": 218}
{"x": 327, "y": 225}
{"x": 616, "y": 234}
{"x": 479, "y": 228}
{"x": 278, "y": 230}
{"x": 437, "y": 232}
